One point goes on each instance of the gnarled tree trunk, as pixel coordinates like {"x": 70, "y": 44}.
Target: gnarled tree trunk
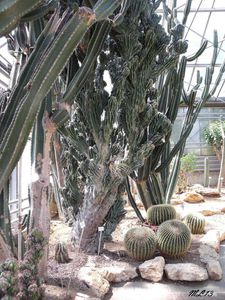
{"x": 96, "y": 205}
{"x": 5, "y": 251}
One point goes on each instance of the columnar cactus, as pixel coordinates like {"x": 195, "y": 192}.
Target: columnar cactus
{"x": 196, "y": 223}
{"x": 158, "y": 214}
{"x": 174, "y": 238}
{"x": 49, "y": 58}
{"x": 157, "y": 179}
{"x": 140, "y": 243}
{"x": 61, "y": 253}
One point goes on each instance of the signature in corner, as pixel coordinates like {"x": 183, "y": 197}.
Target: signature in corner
{"x": 200, "y": 293}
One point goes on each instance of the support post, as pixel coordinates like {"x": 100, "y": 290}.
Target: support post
{"x": 206, "y": 172}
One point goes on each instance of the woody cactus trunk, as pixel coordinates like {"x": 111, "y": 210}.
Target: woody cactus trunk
{"x": 107, "y": 136}
{"x": 156, "y": 179}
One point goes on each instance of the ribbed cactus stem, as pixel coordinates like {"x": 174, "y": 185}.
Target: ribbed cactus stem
{"x": 174, "y": 238}
{"x": 196, "y": 223}
{"x": 103, "y": 8}
{"x": 140, "y": 243}
{"x": 61, "y": 253}
{"x": 11, "y": 12}
{"x": 157, "y": 214}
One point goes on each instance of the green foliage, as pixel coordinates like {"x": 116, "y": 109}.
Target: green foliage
{"x": 29, "y": 281}
{"x": 160, "y": 213}
{"x": 213, "y": 134}
{"x": 61, "y": 253}
{"x": 174, "y": 238}
{"x": 8, "y": 280}
{"x": 21, "y": 281}
{"x": 140, "y": 243}
{"x": 188, "y": 165}
{"x": 196, "y": 223}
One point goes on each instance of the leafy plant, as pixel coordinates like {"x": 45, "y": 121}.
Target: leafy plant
{"x": 188, "y": 165}
{"x": 20, "y": 280}
{"x": 213, "y": 136}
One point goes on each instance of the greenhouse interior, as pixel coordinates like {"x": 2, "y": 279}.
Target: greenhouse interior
{"x": 112, "y": 149}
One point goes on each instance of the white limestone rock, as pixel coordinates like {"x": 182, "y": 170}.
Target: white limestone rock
{"x": 98, "y": 285}
{"x": 119, "y": 273}
{"x": 207, "y": 253}
{"x": 216, "y": 225}
{"x": 153, "y": 269}
{"x": 186, "y": 272}
{"x": 212, "y": 239}
{"x": 82, "y": 296}
{"x": 214, "y": 270}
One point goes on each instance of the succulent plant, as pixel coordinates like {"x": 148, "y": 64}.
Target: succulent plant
{"x": 158, "y": 214}
{"x": 196, "y": 223}
{"x": 8, "y": 281}
{"x": 61, "y": 253}
{"x": 140, "y": 243}
{"x": 174, "y": 238}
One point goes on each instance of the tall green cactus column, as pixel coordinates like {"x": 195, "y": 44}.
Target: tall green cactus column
{"x": 6, "y": 239}
{"x": 43, "y": 74}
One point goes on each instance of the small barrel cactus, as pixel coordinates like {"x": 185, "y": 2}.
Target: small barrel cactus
{"x": 196, "y": 223}
{"x": 157, "y": 214}
{"x": 174, "y": 238}
{"x": 61, "y": 253}
{"x": 140, "y": 243}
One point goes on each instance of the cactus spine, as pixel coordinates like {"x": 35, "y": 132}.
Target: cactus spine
{"x": 61, "y": 253}
{"x": 174, "y": 238}
{"x": 196, "y": 223}
{"x": 158, "y": 214}
{"x": 140, "y": 243}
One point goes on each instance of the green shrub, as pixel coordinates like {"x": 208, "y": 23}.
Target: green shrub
{"x": 213, "y": 136}
{"x": 188, "y": 165}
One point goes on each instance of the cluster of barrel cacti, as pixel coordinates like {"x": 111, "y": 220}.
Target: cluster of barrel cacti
{"x": 172, "y": 237}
